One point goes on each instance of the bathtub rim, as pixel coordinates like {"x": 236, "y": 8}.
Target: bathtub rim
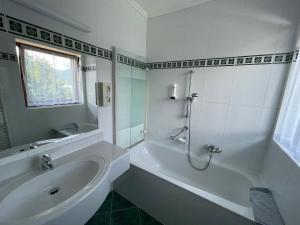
{"x": 243, "y": 211}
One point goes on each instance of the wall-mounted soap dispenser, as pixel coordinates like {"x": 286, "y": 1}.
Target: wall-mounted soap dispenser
{"x": 173, "y": 90}
{"x": 103, "y": 93}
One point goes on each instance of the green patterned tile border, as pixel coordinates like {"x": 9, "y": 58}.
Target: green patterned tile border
{"x": 8, "y": 56}
{"x": 88, "y": 68}
{"x": 31, "y": 31}
{"x": 2, "y": 22}
{"x": 131, "y": 62}
{"x": 227, "y": 61}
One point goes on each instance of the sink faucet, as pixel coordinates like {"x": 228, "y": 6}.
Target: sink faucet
{"x": 47, "y": 162}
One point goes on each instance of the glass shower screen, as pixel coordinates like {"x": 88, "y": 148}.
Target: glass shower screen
{"x": 130, "y": 99}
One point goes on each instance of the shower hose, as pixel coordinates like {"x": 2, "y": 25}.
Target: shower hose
{"x": 189, "y": 115}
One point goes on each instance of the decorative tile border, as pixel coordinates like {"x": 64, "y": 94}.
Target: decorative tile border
{"x": 24, "y": 29}
{"x": 2, "y": 23}
{"x": 79, "y": 46}
{"x": 131, "y": 62}
{"x": 88, "y": 68}
{"x": 8, "y": 56}
{"x": 28, "y": 30}
{"x": 227, "y": 61}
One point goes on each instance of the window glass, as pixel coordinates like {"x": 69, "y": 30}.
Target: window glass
{"x": 49, "y": 78}
{"x": 287, "y": 133}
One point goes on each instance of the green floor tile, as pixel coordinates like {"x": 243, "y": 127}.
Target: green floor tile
{"x": 106, "y": 205}
{"x": 99, "y": 219}
{"x": 125, "y": 217}
{"x": 146, "y": 219}
{"x": 118, "y": 202}
{"x": 117, "y": 210}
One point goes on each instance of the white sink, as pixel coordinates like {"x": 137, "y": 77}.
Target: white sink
{"x": 48, "y": 193}
{"x": 70, "y": 194}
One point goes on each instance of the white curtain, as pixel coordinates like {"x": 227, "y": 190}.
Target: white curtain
{"x": 287, "y": 133}
{"x": 49, "y": 78}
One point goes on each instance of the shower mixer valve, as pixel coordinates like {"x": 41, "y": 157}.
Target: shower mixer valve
{"x": 213, "y": 149}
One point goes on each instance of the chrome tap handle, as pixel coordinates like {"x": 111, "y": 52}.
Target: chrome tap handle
{"x": 46, "y": 157}
{"x": 217, "y": 150}
{"x": 213, "y": 149}
{"x": 47, "y": 162}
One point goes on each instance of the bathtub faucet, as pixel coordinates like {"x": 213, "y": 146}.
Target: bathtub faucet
{"x": 185, "y": 128}
{"x": 213, "y": 149}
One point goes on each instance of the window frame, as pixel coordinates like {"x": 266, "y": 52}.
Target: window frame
{"x": 53, "y": 51}
{"x": 293, "y": 72}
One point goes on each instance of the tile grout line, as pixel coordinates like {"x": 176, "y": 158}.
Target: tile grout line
{"x": 124, "y": 209}
{"x": 111, "y": 206}
{"x": 140, "y": 218}
{"x": 138, "y": 215}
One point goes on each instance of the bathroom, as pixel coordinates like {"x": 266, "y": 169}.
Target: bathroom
{"x": 140, "y": 112}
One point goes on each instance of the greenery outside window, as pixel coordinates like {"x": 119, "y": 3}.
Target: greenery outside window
{"x": 49, "y": 78}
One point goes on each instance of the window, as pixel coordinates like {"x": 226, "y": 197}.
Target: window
{"x": 50, "y": 78}
{"x": 287, "y": 133}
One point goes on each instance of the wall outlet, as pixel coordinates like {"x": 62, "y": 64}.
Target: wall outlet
{"x": 103, "y": 93}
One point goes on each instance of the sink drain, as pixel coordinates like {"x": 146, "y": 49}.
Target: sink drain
{"x": 54, "y": 191}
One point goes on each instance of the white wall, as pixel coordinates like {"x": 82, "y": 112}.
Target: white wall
{"x": 237, "y": 105}
{"x": 281, "y": 175}
{"x": 112, "y": 22}
{"x": 105, "y": 114}
{"x": 223, "y": 28}
{"x": 90, "y": 78}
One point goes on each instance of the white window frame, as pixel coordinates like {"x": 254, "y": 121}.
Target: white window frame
{"x": 279, "y": 136}
{"x": 45, "y": 49}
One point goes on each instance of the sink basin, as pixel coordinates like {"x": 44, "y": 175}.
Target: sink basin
{"x": 70, "y": 194}
{"x": 49, "y": 193}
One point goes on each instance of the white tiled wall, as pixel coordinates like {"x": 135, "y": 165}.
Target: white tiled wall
{"x": 233, "y": 109}
{"x": 105, "y": 114}
{"x": 237, "y": 105}
{"x": 90, "y": 80}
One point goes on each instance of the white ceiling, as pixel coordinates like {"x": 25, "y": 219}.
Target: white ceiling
{"x": 160, "y": 7}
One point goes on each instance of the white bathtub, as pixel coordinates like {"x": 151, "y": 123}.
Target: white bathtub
{"x": 224, "y": 187}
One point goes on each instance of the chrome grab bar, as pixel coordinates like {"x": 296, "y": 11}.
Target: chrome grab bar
{"x": 180, "y": 132}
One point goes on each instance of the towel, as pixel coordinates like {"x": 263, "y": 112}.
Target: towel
{"x": 265, "y": 208}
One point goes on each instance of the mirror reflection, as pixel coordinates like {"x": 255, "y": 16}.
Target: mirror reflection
{"x": 46, "y": 96}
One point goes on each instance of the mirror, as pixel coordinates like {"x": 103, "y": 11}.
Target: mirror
{"x": 46, "y": 95}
